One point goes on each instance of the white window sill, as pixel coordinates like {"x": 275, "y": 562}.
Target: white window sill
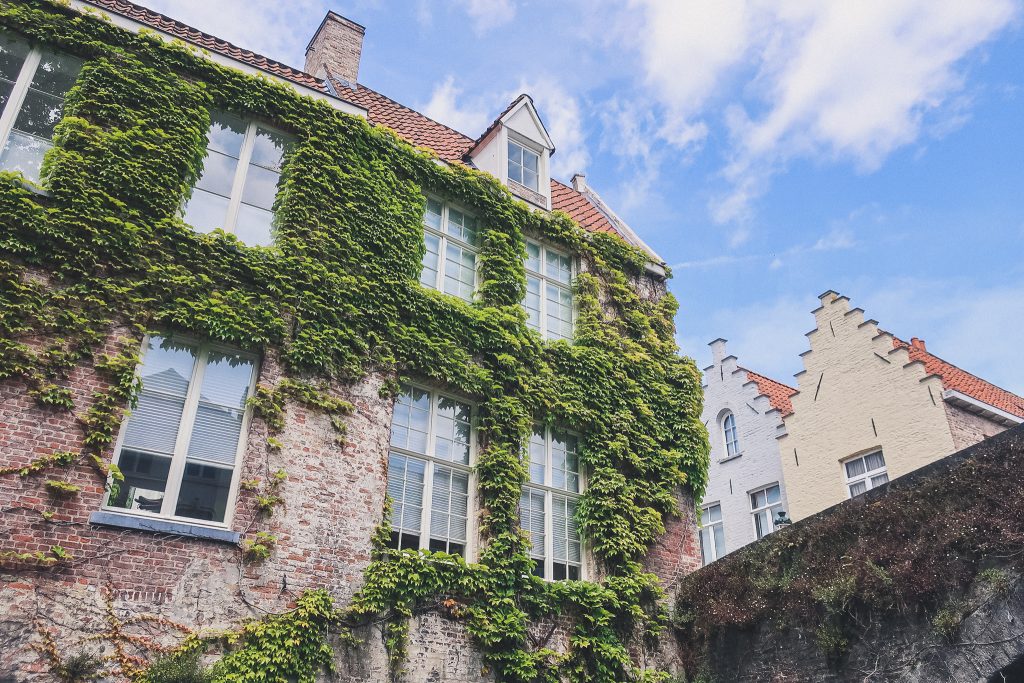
{"x": 731, "y": 457}
{"x": 164, "y": 526}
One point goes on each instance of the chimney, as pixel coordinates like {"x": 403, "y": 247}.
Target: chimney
{"x": 579, "y": 182}
{"x": 336, "y": 47}
{"x": 918, "y": 344}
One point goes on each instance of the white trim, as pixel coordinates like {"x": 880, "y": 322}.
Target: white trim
{"x": 182, "y": 438}
{"x": 124, "y": 22}
{"x": 444, "y": 238}
{"x": 754, "y": 511}
{"x": 988, "y": 410}
{"x": 867, "y": 476}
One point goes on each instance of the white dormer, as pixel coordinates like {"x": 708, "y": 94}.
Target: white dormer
{"x": 517, "y": 149}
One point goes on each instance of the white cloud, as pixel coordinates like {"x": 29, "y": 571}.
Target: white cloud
{"x": 465, "y": 114}
{"x": 488, "y": 14}
{"x": 836, "y": 80}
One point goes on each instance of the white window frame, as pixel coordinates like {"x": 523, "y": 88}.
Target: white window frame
{"x": 181, "y": 443}
{"x": 431, "y": 462}
{"x": 545, "y": 280}
{"x": 867, "y": 476}
{"x": 444, "y": 238}
{"x": 242, "y": 169}
{"x": 20, "y": 88}
{"x": 732, "y": 446}
{"x": 549, "y": 492}
{"x": 710, "y": 553}
{"x": 767, "y": 506}
{"x": 527, "y": 148}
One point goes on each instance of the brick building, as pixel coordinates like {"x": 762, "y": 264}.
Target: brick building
{"x": 124, "y": 564}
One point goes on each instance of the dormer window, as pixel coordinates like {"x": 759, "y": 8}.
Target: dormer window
{"x": 523, "y": 165}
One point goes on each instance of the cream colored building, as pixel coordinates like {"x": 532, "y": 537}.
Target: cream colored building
{"x": 871, "y": 407}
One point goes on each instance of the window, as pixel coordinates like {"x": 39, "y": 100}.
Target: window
{"x": 238, "y": 184}
{"x": 449, "y": 263}
{"x": 765, "y": 506}
{"x": 732, "y": 437}
{"x": 523, "y": 166}
{"x": 865, "y": 472}
{"x": 33, "y": 83}
{"x": 548, "y": 301}
{"x": 547, "y": 506}
{"x": 712, "y": 534}
{"x": 428, "y": 472}
{"x": 180, "y": 446}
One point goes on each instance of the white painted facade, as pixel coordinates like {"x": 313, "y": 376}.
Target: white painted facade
{"x": 731, "y": 478}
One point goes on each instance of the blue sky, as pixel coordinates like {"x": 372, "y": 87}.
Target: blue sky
{"x": 768, "y": 150}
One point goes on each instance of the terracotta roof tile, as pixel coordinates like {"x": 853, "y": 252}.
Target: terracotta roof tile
{"x": 778, "y": 393}
{"x": 565, "y": 198}
{"x": 166, "y": 24}
{"x": 956, "y": 379}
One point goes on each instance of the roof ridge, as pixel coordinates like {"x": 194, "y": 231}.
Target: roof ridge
{"x": 766, "y": 377}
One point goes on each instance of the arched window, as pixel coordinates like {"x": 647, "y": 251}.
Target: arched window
{"x": 732, "y": 437}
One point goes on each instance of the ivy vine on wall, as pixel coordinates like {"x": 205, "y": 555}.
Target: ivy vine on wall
{"x": 337, "y": 296}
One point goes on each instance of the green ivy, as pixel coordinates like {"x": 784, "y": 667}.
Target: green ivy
{"x": 335, "y": 298}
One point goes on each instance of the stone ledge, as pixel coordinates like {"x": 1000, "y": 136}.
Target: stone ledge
{"x": 164, "y": 526}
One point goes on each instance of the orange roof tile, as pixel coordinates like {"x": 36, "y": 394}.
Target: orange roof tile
{"x": 778, "y": 394}
{"x": 580, "y": 209}
{"x": 956, "y": 379}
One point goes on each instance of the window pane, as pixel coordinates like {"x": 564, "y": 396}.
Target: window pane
{"x": 879, "y": 480}
{"x": 13, "y": 51}
{"x": 206, "y": 211}
{"x": 563, "y": 526}
{"x": 432, "y": 216}
{"x": 260, "y": 187}
{"x": 559, "y": 313}
{"x": 24, "y": 153}
{"x": 515, "y": 153}
{"x": 226, "y": 379}
{"x": 204, "y": 492}
{"x": 215, "y": 434}
{"x": 405, "y": 488}
{"x": 538, "y": 455}
{"x": 411, "y": 419}
{"x": 705, "y": 546}
{"x": 531, "y": 520}
{"x": 56, "y": 73}
{"x": 858, "y": 488}
{"x": 772, "y": 494}
{"x": 531, "y": 161}
{"x": 145, "y": 480}
{"x": 533, "y": 257}
{"x": 166, "y": 373}
{"x": 532, "y": 302}
{"x": 39, "y": 113}
{"x": 756, "y": 500}
{"x": 461, "y": 226}
{"x": 226, "y": 134}
{"x": 254, "y": 226}
{"x": 557, "y": 267}
{"x": 451, "y": 440}
{"x": 712, "y": 514}
{"x": 269, "y": 148}
{"x": 855, "y": 468}
{"x": 459, "y": 272}
{"x": 719, "y": 533}
{"x": 530, "y": 180}
{"x": 874, "y": 461}
{"x": 218, "y": 174}
{"x": 431, "y": 257}
{"x": 564, "y": 465}
{"x": 762, "y": 525}
{"x": 449, "y": 511}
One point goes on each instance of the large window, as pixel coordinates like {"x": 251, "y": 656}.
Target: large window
{"x": 239, "y": 180}
{"x": 865, "y": 472}
{"x": 730, "y": 435}
{"x": 449, "y": 263}
{"x": 548, "y": 301}
{"x": 712, "y": 534}
{"x": 179, "y": 449}
{"x": 33, "y": 83}
{"x": 765, "y": 506}
{"x": 523, "y": 166}
{"x": 429, "y": 472}
{"x": 547, "y": 507}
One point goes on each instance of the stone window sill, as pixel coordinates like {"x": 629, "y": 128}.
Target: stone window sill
{"x": 164, "y": 526}
{"x": 732, "y": 457}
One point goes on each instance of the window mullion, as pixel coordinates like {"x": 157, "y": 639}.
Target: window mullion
{"x": 244, "y": 156}
{"x": 428, "y": 494}
{"x": 181, "y": 443}
{"x": 18, "y": 93}
{"x": 549, "y": 540}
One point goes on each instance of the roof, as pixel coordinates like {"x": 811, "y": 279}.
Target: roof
{"x": 166, "y": 24}
{"x": 449, "y": 144}
{"x": 779, "y": 395}
{"x": 957, "y": 379}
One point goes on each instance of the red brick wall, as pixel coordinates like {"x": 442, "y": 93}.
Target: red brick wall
{"x": 677, "y": 552}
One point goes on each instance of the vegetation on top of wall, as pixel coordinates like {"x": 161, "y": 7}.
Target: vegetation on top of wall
{"x": 869, "y": 556}
{"x": 337, "y": 297}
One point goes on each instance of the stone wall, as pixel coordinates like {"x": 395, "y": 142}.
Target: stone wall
{"x": 969, "y": 428}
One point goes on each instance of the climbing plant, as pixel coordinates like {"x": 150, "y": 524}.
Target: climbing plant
{"x": 104, "y": 248}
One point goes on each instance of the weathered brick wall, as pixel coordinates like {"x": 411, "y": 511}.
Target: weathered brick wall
{"x": 338, "y": 45}
{"x": 968, "y": 428}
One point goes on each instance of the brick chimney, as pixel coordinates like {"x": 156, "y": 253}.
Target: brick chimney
{"x": 336, "y": 46}
{"x": 918, "y": 344}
